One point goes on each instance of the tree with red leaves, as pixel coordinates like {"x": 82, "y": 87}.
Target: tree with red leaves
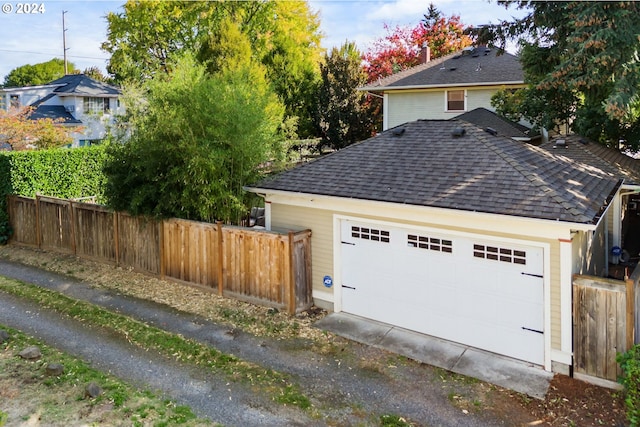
{"x": 400, "y": 48}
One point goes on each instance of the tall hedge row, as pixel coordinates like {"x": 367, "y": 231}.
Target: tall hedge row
{"x": 65, "y": 173}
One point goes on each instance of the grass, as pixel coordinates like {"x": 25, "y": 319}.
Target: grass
{"x": 268, "y": 381}
{"x": 60, "y": 400}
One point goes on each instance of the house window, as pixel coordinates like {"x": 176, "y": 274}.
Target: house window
{"x": 367, "y": 233}
{"x": 96, "y": 105}
{"x": 496, "y": 253}
{"x": 14, "y": 101}
{"x": 430, "y": 243}
{"x": 455, "y": 100}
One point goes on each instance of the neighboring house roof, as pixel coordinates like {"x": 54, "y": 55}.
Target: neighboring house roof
{"x": 81, "y": 85}
{"x": 480, "y": 66}
{"x": 55, "y": 112}
{"x": 488, "y": 119}
{"x": 423, "y": 163}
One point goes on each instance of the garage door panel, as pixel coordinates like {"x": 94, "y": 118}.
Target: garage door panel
{"x": 458, "y": 288}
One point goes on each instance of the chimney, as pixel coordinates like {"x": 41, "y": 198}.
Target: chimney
{"x": 425, "y": 53}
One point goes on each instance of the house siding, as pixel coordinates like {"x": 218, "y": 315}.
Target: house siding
{"x": 321, "y": 221}
{"x": 409, "y": 105}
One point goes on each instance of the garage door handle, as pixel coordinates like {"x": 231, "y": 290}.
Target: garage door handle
{"x": 534, "y": 275}
{"x": 348, "y": 243}
{"x": 348, "y": 287}
{"x": 532, "y": 330}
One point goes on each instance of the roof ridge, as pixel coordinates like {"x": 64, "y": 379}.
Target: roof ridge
{"x": 412, "y": 70}
{"x": 532, "y": 177}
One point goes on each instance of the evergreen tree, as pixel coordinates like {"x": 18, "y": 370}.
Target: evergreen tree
{"x": 344, "y": 113}
{"x": 581, "y": 62}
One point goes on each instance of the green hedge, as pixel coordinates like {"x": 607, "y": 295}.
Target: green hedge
{"x": 65, "y": 173}
{"x": 630, "y": 364}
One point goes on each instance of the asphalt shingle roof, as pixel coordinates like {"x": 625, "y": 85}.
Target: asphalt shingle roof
{"x": 54, "y": 112}
{"x": 428, "y": 166}
{"x": 488, "y": 119}
{"x": 481, "y": 66}
{"x": 79, "y": 84}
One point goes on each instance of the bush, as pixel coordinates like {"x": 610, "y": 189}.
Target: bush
{"x": 61, "y": 173}
{"x": 630, "y": 364}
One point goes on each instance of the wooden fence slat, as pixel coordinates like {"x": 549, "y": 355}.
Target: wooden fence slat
{"x": 600, "y": 326}
{"x": 258, "y": 266}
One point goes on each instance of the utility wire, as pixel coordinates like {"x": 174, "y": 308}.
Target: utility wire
{"x": 52, "y": 53}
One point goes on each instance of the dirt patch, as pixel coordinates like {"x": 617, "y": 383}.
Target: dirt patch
{"x": 569, "y": 402}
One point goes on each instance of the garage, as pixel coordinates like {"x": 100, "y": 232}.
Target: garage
{"x": 465, "y": 288}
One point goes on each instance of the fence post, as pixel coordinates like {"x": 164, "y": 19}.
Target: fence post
{"x": 73, "y": 226}
{"x": 116, "y": 238}
{"x": 631, "y": 315}
{"x": 161, "y": 248}
{"x": 38, "y": 230}
{"x": 292, "y": 276}
{"x": 220, "y": 258}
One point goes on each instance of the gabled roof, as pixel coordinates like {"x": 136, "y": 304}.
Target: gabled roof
{"x": 484, "y": 118}
{"x": 480, "y": 66}
{"x": 54, "y": 112}
{"x": 422, "y": 163}
{"x": 80, "y": 84}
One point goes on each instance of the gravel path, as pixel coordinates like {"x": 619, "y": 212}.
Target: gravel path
{"x": 343, "y": 387}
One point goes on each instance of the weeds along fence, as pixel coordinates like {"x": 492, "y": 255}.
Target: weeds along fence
{"x": 262, "y": 267}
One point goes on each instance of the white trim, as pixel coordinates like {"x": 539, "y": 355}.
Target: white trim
{"x": 413, "y": 87}
{"x": 562, "y": 357}
{"x": 490, "y": 222}
{"x": 385, "y": 111}
{"x": 267, "y": 215}
{"x": 566, "y": 291}
{"x": 617, "y": 221}
{"x": 28, "y": 88}
{"x": 324, "y": 296}
{"x": 546, "y": 250}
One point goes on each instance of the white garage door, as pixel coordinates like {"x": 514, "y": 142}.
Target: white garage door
{"x": 481, "y": 293}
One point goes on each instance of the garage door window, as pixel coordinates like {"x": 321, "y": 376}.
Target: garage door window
{"x": 496, "y": 253}
{"x": 367, "y": 233}
{"x": 430, "y": 243}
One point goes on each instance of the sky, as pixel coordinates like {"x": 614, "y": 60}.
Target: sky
{"x": 31, "y": 38}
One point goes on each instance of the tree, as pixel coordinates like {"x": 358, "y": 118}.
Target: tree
{"x": 22, "y": 133}
{"x": 586, "y": 55}
{"x": 38, "y": 74}
{"x": 344, "y": 112}
{"x": 195, "y": 142}
{"x": 284, "y": 36}
{"x": 400, "y": 48}
{"x": 96, "y": 74}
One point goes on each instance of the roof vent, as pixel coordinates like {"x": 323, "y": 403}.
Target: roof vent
{"x": 560, "y": 143}
{"x": 491, "y": 131}
{"x": 458, "y": 131}
{"x": 453, "y": 68}
{"x": 398, "y": 131}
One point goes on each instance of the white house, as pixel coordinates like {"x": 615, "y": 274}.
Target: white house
{"x": 448, "y": 86}
{"x": 74, "y": 100}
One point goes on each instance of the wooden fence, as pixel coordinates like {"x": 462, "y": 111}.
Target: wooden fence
{"x": 258, "y": 266}
{"x": 603, "y": 325}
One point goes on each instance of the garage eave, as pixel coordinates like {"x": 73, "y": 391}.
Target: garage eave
{"x": 453, "y": 216}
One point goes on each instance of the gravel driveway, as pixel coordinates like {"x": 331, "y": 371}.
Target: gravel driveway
{"x": 354, "y": 385}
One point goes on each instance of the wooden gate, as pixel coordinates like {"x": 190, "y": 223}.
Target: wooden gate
{"x": 603, "y": 325}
